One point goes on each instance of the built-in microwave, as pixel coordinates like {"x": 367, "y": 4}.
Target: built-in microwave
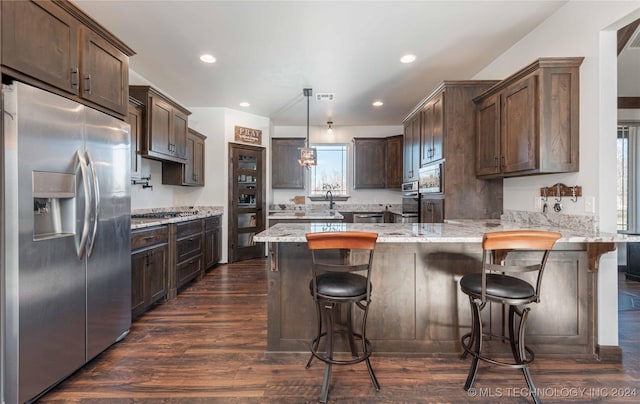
{"x": 430, "y": 179}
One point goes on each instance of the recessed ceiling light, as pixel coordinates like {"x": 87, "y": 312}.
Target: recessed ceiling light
{"x": 245, "y": 104}
{"x": 377, "y": 103}
{"x": 207, "y": 58}
{"x": 408, "y": 58}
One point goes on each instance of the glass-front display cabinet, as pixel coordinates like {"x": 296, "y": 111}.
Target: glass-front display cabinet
{"x": 246, "y": 201}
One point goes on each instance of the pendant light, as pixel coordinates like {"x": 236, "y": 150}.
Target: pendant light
{"x": 307, "y": 154}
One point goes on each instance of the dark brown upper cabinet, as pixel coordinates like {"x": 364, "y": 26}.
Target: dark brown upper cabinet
{"x": 191, "y": 172}
{"x": 394, "y": 162}
{"x": 165, "y": 125}
{"x": 370, "y": 159}
{"x": 55, "y": 46}
{"x": 528, "y": 123}
{"x": 447, "y": 116}
{"x": 134, "y": 119}
{"x": 432, "y": 130}
{"x": 411, "y": 153}
{"x": 286, "y": 172}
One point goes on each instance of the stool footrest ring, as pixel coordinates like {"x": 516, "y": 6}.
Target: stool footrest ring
{"x": 466, "y": 340}
{"x": 322, "y": 356}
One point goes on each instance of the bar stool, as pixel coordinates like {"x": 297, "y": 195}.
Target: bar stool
{"x": 335, "y": 286}
{"x": 493, "y": 285}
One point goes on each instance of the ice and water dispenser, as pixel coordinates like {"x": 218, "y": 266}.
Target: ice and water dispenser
{"x": 54, "y": 196}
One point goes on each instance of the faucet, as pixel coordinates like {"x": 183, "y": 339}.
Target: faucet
{"x": 329, "y": 196}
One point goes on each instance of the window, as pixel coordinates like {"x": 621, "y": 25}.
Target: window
{"x": 628, "y": 178}
{"x": 330, "y": 173}
{"x": 622, "y": 202}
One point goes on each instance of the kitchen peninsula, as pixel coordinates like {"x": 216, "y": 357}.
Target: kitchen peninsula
{"x": 417, "y": 306}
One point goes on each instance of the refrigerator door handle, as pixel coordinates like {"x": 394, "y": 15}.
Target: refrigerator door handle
{"x": 96, "y": 203}
{"x": 81, "y": 245}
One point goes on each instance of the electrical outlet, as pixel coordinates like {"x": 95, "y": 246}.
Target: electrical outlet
{"x": 537, "y": 202}
{"x": 590, "y": 204}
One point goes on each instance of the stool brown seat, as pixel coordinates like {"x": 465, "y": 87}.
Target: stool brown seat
{"x": 494, "y": 285}
{"x": 341, "y": 282}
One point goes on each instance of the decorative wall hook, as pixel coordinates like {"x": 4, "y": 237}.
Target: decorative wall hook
{"x": 559, "y": 190}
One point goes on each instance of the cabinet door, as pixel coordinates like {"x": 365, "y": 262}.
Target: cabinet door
{"x": 488, "y": 136}
{"x": 198, "y": 160}
{"x": 437, "y": 129}
{"x": 431, "y": 136}
{"x": 138, "y": 269}
{"x": 286, "y": 172}
{"x": 394, "y": 162}
{"x": 157, "y": 272}
{"x": 178, "y": 134}
{"x": 519, "y": 115}
{"x": 134, "y": 119}
{"x": 104, "y": 73}
{"x": 246, "y": 201}
{"x": 426, "y": 134}
{"x": 212, "y": 241}
{"x": 212, "y": 248}
{"x": 431, "y": 210}
{"x": 370, "y": 158}
{"x": 40, "y": 40}
{"x": 411, "y": 149}
{"x": 188, "y": 167}
{"x": 159, "y": 138}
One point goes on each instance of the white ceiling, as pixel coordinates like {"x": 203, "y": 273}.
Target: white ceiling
{"x": 268, "y": 51}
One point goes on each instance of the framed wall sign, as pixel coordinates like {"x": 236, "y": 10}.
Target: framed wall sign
{"x": 247, "y": 135}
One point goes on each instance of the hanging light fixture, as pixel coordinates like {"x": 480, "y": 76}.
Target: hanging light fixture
{"x": 307, "y": 154}
{"x": 329, "y": 126}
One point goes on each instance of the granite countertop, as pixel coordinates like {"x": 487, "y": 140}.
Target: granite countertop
{"x": 462, "y": 231}
{"x": 202, "y": 212}
{"x": 307, "y": 215}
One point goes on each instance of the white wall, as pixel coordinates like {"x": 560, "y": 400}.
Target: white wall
{"x": 345, "y": 135}
{"x": 588, "y": 29}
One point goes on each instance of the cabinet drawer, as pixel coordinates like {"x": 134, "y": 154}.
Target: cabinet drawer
{"x": 188, "y": 270}
{"x": 142, "y": 238}
{"x": 188, "y": 247}
{"x": 211, "y": 223}
{"x": 189, "y": 228}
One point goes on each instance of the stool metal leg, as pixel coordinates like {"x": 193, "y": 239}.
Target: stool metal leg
{"x": 513, "y": 339}
{"x": 472, "y": 333}
{"x": 324, "y": 392}
{"x": 365, "y": 349}
{"x": 522, "y": 356}
{"x": 352, "y": 343}
{"x": 476, "y": 339}
{"x": 316, "y": 342}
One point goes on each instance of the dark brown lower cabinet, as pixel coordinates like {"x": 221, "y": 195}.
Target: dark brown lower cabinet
{"x": 212, "y": 241}
{"x": 165, "y": 258}
{"x": 189, "y": 237}
{"x": 149, "y": 268}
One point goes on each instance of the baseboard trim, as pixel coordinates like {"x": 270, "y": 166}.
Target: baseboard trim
{"x": 609, "y": 353}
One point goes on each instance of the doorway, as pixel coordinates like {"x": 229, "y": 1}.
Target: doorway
{"x": 246, "y": 201}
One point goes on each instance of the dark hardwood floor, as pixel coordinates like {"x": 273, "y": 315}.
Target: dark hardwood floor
{"x": 208, "y": 346}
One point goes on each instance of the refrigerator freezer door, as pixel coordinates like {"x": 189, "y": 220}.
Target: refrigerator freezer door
{"x": 45, "y": 286}
{"x": 109, "y": 251}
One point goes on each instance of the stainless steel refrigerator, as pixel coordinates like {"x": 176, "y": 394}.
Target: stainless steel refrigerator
{"x": 66, "y": 266}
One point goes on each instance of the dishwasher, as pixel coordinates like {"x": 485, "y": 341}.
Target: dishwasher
{"x": 368, "y": 218}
